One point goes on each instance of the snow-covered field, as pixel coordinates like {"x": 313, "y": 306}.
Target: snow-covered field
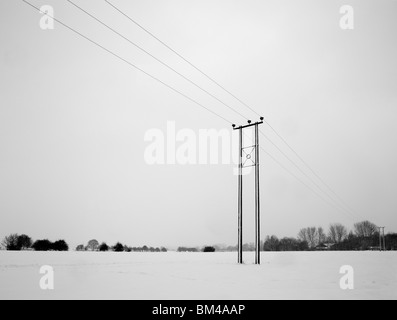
{"x": 198, "y": 276}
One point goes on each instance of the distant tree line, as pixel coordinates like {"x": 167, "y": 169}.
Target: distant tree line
{"x": 364, "y": 236}
{"x": 93, "y": 245}
{"x": 15, "y": 242}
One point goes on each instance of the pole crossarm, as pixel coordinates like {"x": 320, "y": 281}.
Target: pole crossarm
{"x": 250, "y": 124}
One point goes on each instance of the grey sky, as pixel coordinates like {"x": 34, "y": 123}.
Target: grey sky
{"x": 73, "y": 118}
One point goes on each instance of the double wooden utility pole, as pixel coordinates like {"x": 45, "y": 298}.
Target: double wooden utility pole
{"x": 249, "y": 157}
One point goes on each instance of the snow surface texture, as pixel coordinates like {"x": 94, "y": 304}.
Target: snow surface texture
{"x": 86, "y": 275}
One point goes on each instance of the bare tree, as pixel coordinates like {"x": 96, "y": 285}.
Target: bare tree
{"x": 312, "y": 236}
{"x": 322, "y": 238}
{"x": 11, "y": 242}
{"x": 93, "y": 245}
{"x": 337, "y": 233}
{"x": 302, "y": 235}
{"x": 365, "y": 229}
{"x": 309, "y": 235}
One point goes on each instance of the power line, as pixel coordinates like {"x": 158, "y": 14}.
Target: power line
{"x": 190, "y": 81}
{"x": 304, "y": 173}
{"x": 309, "y": 167}
{"x": 166, "y": 85}
{"x": 242, "y": 102}
{"x": 178, "y": 54}
{"x": 155, "y": 58}
{"x": 304, "y": 183}
{"x": 130, "y": 64}
{"x": 340, "y": 209}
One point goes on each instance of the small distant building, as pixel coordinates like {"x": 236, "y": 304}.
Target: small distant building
{"x": 324, "y": 246}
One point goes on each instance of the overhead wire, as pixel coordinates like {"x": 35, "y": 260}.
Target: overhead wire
{"x": 130, "y": 64}
{"x": 181, "y": 93}
{"x": 339, "y": 199}
{"x": 155, "y": 58}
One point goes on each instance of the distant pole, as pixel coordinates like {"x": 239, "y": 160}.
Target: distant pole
{"x": 384, "y": 239}
{"x": 380, "y": 238}
{"x": 257, "y": 200}
{"x": 241, "y": 166}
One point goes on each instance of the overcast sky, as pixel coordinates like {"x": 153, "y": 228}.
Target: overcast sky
{"x": 73, "y": 118}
